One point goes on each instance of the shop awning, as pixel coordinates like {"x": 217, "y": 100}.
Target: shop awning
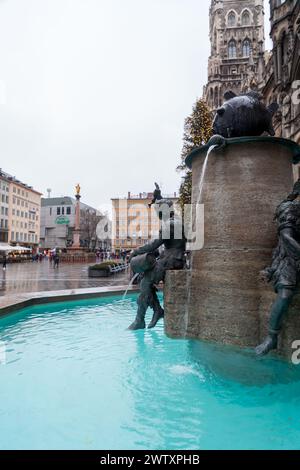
{"x": 8, "y": 248}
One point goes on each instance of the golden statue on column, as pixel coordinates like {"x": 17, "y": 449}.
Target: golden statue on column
{"x": 78, "y": 188}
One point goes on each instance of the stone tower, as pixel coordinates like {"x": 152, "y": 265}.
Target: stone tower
{"x": 237, "y": 48}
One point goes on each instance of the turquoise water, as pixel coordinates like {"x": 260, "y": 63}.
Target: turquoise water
{"x": 75, "y": 378}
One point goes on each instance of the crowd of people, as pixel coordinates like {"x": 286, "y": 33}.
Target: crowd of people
{"x": 54, "y": 256}
{"x": 106, "y": 255}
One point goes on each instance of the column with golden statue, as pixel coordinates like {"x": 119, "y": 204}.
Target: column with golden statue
{"x": 76, "y": 232}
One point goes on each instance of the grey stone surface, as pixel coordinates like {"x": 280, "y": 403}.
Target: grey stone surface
{"x": 223, "y": 299}
{"x": 211, "y": 314}
{"x": 41, "y": 276}
{"x": 16, "y": 302}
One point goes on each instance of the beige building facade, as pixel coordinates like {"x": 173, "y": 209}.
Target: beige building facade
{"x": 134, "y": 223}
{"x": 20, "y": 209}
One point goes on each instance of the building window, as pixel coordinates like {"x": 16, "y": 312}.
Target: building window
{"x": 68, "y": 210}
{"x": 231, "y": 19}
{"x": 63, "y": 211}
{"x": 246, "y": 48}
{"x": 50, "y": 210}
{"x": 58, "y": 211}
{"x": 246, "y": 20}
{"x": 12, "y": 235}
{"x": 232, "y": 49}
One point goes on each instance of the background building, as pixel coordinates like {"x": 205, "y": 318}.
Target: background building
{"x": 281, "y": 81}
{"x": 58, "y": 222}
{"x": 134, "y": 223}
{"x": 238, "y": 61}
{"x": 20, "y": 207}
{"x": 237, "y": 48}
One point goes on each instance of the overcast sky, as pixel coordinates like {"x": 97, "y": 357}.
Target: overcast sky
{"x": 96, "y": 92}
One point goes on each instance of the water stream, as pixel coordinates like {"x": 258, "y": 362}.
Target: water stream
{"x": 189, "y": 278}
{"x": 130, "y": 285}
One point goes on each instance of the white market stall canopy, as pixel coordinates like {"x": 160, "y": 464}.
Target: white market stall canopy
{"x": 8, "y": 248}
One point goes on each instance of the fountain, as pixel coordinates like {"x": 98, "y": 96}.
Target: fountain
{"x": 246, "y": 178}
{"x": 131, "y": 282}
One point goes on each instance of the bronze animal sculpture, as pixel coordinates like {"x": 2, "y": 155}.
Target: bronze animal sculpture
{"x": 244, "y": 115}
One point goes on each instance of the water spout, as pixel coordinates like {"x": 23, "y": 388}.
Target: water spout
{"x": 130, "y": 285}
{"x": 199, "y": 199}
{"x": 189, "y": 274}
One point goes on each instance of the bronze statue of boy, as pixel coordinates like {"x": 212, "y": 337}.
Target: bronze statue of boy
{"x": 170, "y": 238}
{"x": 284, "y": 271}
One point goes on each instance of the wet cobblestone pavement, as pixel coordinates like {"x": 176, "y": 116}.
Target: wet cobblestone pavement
{"x": 41, "y": 276}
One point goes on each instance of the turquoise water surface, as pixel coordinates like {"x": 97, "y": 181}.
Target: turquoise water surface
{"x": 75, "y": 378}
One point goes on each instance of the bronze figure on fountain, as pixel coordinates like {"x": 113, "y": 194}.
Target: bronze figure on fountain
{"x": 153, "y": 262}
{"x": 285, "y": 268}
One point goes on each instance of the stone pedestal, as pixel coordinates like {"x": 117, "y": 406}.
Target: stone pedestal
{"x": 222, "y": 298}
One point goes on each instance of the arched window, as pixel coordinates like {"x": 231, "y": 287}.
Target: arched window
{"x": 246, "y": 48}
{"x": 232, "y": 49}
{"x": 231, "y": 19}
{"x": 246, "y": 20}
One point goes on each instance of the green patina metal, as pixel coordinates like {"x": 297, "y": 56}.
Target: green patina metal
{"x": 295, "y": 148}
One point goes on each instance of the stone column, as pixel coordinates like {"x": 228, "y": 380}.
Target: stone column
{"x": 76, "y": 232}
{"x": 279, "y": 60}
{"x": 275, "y": 63}
{"x": 220, "y": 298}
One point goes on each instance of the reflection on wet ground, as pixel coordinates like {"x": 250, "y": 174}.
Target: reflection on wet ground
{"x": 41, "y": 276}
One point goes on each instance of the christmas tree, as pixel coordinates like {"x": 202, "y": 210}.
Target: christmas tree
{"x": 197, "y": 132}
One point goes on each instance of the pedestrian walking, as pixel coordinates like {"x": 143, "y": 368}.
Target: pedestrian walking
{"x": 56, "y": 260}
{"x": 4, "y": 262}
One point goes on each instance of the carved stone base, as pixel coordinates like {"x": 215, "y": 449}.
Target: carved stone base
{"x": 223, "y": 316}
